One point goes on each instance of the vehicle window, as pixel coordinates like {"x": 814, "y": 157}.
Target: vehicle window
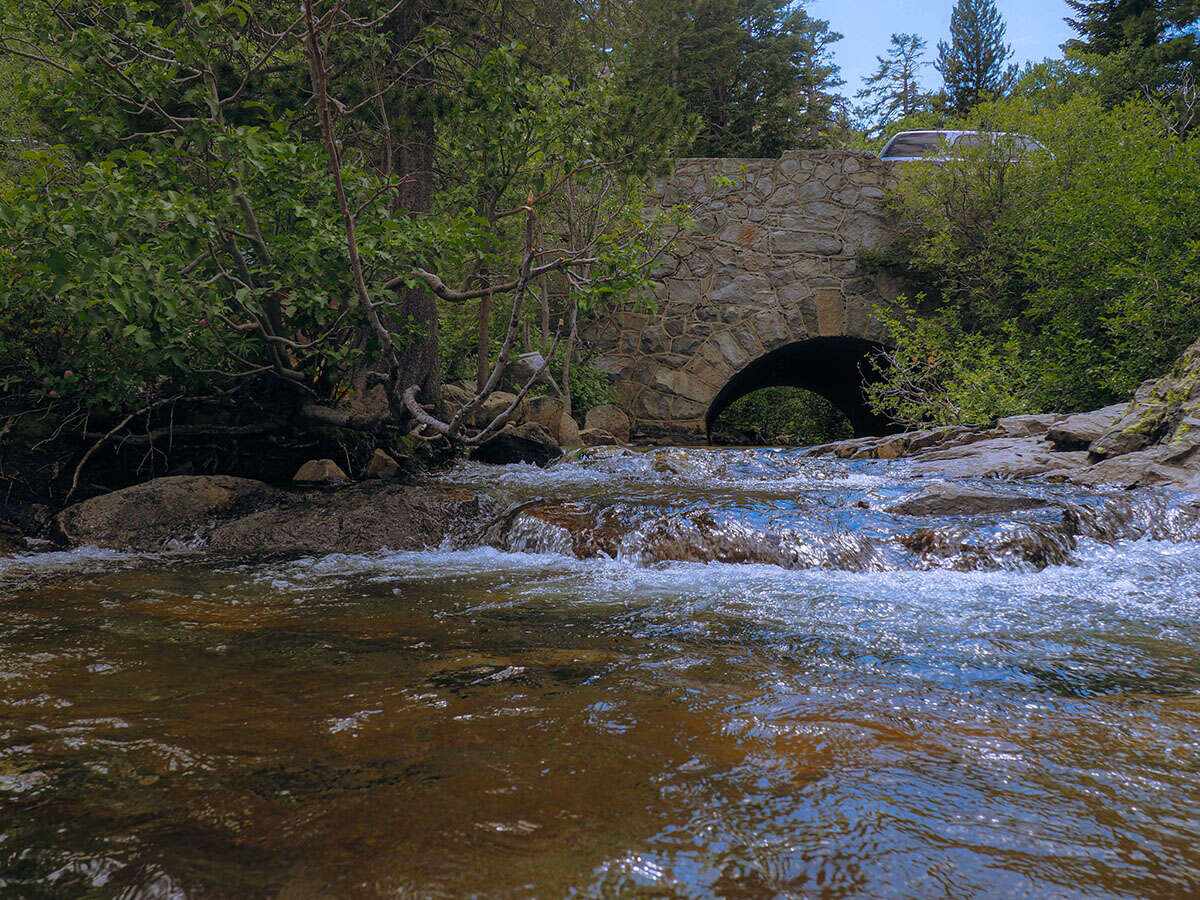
{"x": 913, "y": 144}
{"x": 970, "y": 140}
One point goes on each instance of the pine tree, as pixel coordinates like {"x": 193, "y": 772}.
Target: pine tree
{"x": 1137, "y": 45}
{"x": 894, "y": 91}
{"x": 817, "y": 78}
{"x": 972, "y": 63}
{"x": 750, "y": 71}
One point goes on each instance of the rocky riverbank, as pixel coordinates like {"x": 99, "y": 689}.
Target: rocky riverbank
{"x": 1154, "y": 440}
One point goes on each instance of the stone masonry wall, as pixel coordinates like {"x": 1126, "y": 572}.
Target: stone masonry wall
{"x": 770, "y": 260}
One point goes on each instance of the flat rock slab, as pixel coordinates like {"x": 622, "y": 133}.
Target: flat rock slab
{"x": 1008, "y": 457}
{"x": 247, "y": 517}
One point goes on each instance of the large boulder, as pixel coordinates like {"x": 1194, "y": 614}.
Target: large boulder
{"x": 495, "y": 404}
{"x": 360, "y": 518}
{"x": 551, "y": 414}
{"x": 1077, "y": 432}
{"x": 528, "y": 442}
{"x": 608, "y": 418}
{"x": 1166, "y": 410}
{"x": 241, "y": 516}
{"x": 597, "y": 437}
{"x": 526, "y": 367}
{"x": 455, "y": 396}
{"x": 153, "y": 515}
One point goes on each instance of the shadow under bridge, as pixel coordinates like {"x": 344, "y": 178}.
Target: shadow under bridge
{"x": 837, "y": 368}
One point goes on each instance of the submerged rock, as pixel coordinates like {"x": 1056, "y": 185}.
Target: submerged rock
{"x": 958, "y": 500}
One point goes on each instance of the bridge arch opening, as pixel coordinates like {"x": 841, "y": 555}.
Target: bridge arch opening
{"x": 836, "y": 368}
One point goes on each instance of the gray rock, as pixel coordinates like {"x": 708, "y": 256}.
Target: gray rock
{"x": 1027, "y": 426}
{"x": 1011, "y": 457}
{"x": 320, "y": 471}
{"x": 1160, "y": 465}
{"x": 1077, "y": 432}
{"x": 526, "y": 367}
{"x": 956, "y": 500}
{"x": 609, "y": 418}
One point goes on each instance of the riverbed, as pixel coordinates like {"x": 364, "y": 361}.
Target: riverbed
{"x": 679, "y": 673}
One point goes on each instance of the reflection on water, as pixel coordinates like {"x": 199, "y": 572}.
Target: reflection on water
{"x": 598, "y": 720}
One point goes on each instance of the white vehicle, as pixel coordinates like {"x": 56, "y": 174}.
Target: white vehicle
{"x": 943, "y": 146}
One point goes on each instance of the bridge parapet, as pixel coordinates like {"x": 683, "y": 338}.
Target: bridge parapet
{"x": 770, "y": 261}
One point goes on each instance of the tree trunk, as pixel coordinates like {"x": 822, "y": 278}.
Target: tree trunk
{"x": 412, "y": 157}
{"x": 483, "y": 344}
{"x": 567, "y": 356}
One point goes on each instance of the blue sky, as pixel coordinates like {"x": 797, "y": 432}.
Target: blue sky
{"x": 1035, "y": 30}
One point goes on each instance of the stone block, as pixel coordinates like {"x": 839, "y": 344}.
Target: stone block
{"x": 802, "y": 242}
{"x": 831, "y": 313}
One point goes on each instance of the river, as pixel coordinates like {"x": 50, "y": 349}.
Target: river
{"x": 679, "y": 673}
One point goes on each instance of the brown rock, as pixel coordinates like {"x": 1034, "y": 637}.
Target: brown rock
{"x": 567, "y": 431}
{"x": 382, "y": 466}
{"x": 239, "y": 515}
{"x": 609, "y": 418}
{"x": 148, "y": 516}
{"x": 360, "y": 518}
{"x": 320, "y": 471}
{"x": 496, "y": 403}
{"x": 597, "y": 437}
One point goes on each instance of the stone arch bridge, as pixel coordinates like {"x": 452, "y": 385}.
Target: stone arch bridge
{"x": 765, "y": 289}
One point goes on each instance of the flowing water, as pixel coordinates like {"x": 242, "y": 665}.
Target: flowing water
{"x": 684, "y": 673}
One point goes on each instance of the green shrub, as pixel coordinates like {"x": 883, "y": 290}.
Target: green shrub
{"x": 1055, "y": 282}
